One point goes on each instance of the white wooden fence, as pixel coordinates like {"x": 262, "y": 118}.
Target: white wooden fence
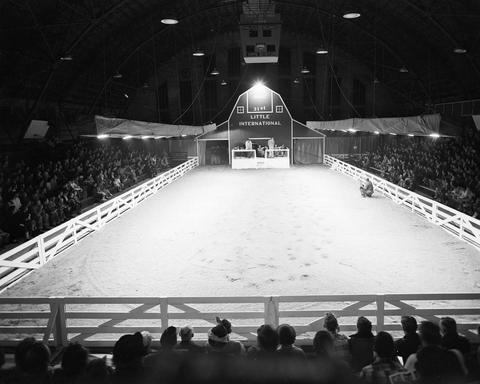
{"x": 33, "y": 254}
{"x": 99, "y": 321}
{"x": 457, "y": 223}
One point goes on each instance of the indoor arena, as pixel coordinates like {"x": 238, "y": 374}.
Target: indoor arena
{"x": 239, "y": 191}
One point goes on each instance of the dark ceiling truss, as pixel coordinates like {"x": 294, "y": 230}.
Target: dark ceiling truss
{"x": 103, "y": 36}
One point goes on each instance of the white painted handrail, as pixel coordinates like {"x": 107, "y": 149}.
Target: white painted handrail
{"x": 99, "y": 321}
{"x": 457, "y": 223}
{"x": 33, "y": 254}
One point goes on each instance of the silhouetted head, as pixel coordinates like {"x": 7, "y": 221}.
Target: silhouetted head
{"x": 267, "y": 338}
{"x": 286, "y": 334}
{"x": 384, "y": 346}
{"x": 74, "y": 359}
{"x": 409, "y": 324}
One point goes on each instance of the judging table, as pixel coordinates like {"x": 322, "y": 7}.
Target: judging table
{"x": 248, "y": 159}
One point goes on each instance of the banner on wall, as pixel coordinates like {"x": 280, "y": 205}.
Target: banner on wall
{"x": 121, "y": 127}
{"x": 422, "y": 125}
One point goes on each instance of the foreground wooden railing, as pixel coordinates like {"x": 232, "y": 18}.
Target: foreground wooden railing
{"x": 457, "y": 223}
{"x": 33, "y": 254}
{"x": 99, "y": 321}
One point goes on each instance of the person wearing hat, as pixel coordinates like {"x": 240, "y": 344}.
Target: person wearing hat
{"x": 187, "y": 345}
{"x": 219, "y": 341}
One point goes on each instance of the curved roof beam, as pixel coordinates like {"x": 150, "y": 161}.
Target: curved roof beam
{"x": 382, "y": 42}
{"x": 142, "y": 43}
{"x": 444, "y": 31}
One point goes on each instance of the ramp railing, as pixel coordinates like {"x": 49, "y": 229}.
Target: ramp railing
{"x": 33, "y": 254}
{"x": 99, "y": 321}
{"x": 457, "y": 223}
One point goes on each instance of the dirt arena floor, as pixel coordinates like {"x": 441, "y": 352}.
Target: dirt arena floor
{"x": 220, "y": 232}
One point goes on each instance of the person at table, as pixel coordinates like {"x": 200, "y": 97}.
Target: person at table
{"x": 248, "y": 144}
{"x": 260, "y": 151}
{"x": 271, "y": 143}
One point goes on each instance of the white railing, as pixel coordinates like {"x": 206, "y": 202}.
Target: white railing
{"x": 457, "y": 223}
{"x": 99, "y": 321}
{"x": 33, "y": 254}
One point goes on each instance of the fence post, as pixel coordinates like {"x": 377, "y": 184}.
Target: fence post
{"x": 99, "y": 218}
{"x": 60, "y": 332}
{"x": 41, "y": 250}
{"x": 271, "y": 311}
{"x": 164, "y": 312}
{"x": 380, "y": 312}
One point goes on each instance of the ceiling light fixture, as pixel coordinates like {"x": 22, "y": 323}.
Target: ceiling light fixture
{"x": 117, "y": 75}
{"x": 102, "y": 136}
{"x": 223, "y": 83}
{"x": 198, "y": 53}
{"x": 215, "y": 72}
{"x": 410, "y": 135}
{"x": 127, "y": 137}
{"x": 351, "y": 15}
{"x": 304, "y": 70}
{"x": 321, "y": 51}
{"x": 434, "y": 135}
{"x": 296, "y": 81}
{"x": 125, "y": 95}
{"x": 376, "y": 132}
{"x": 403, "y": 69}
{"x": 169, "y": 21}
{"x": 66, "y": 58}
{"x": 460, "y": 50}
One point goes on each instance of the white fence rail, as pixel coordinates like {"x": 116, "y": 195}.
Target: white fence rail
{"x": 457, "y": 223}
{"x": 33, "y": 254}
{"x": 99, "y": 321}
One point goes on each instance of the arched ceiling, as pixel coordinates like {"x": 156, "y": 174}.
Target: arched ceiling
{"x": 127, "y": 35}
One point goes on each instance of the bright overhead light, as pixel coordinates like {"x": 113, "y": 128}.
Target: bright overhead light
{"x": 434, "y": 135}
{"x": 158, "y": 137}
{"x": 215, "y": 72}
{"x": 125, "y": 95}
{"x": 403, "y": 69}
{"x": 393, "y": 134}
{"x": 296, "y": 81}
{"x": 321, "y": 51}
{"x": 127, "y": 137}
{"x": 259, "y": 90}
{"x": 66, "y": 58}
{"x": 376, "y": 132}
{"x": 117, "y": 75}
{"x": 169, "y": 21}
{"x": 184, "y": 135}
{"x": 223, "y": 83}
{"x": 198, "y": 52}
{"x": 102, "y": 136}
{"x": 460, "y": 50}
{"x": 146, "y": 137}
{"x": 304, "y": 70}
{"x": 352, "y": 130}
{"x": 410, "y": 135}
{"x": 351, "y": 15}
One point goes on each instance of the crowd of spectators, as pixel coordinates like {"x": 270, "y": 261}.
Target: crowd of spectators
{"x": 436, "y": 354}
{"x": 448, "y": 166}
{"x": 40, "y": 194}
